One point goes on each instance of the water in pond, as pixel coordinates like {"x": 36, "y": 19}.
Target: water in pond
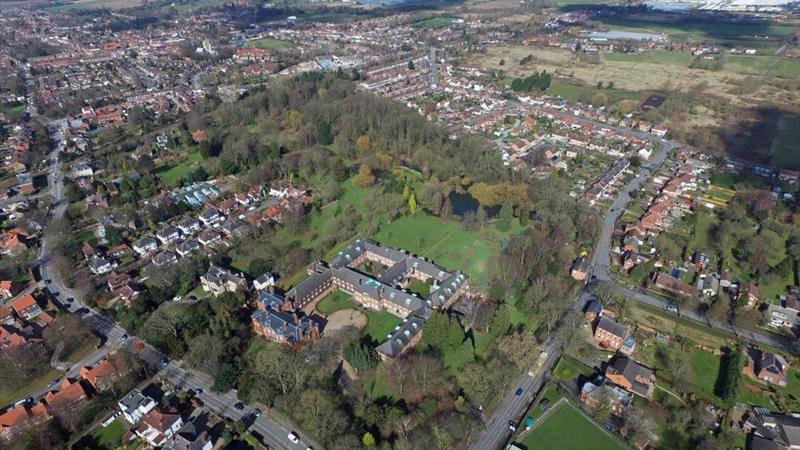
{"x": 464, "y": 202}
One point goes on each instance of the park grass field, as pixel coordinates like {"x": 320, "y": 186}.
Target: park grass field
{"x": 763, "y": 65}
{"x": 171, "y": 175}
{"x": 785, "y": 149}
{"x": 269, "y": 44}
{"x": 568, "y": 428}
{"x": 740, "y": 33}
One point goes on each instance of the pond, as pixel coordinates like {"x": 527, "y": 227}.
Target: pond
{"x": 464, "y": 202}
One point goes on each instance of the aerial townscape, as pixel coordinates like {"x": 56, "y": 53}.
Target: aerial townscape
{"x": 400, "y": 224}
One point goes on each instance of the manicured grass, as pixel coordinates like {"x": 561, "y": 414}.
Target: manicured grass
{"x": 568, "y": 428}
{"x": 569, "y": 368}
{"x": 334, "y": 302}
{"x": 705, "y": 371}
{"x": 578, "y": 93}
{"x": 552, "y": 395}
{"x": 269, "y": 44}
{"x": 784, "y": 145}
{"x": 380, "y": 324}
{"x": 110, "y": 437}
{"x": 172, "y": 175}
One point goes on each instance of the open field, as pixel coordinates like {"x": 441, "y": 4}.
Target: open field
{"x": 269, "y": 44}
{"x": 568, "y": 428}
{"x": 8, "y": 395}
{"x": 172, "y": 175}
{"x": 785, "y": 150}
{"x": 435, "y": 22}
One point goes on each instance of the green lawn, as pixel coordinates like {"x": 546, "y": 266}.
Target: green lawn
{"x": 110, "y": 437}
{"x": 568, "y": 428}
{"x": 172, "y": 175}
{"x": 380, "y": 324}
{"x": 705, "y": 371}
{"x": 658, "y": 57}
{"x": 763, "y": 65}
{"x": 577, "y": 93}
{"x": 569, "y": 368}
{"x": 269, "y": 44}
{"x": 741, "y": 33}
{"x": 335, "y": 301}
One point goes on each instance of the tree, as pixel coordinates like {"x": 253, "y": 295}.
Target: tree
{"x": 368, "y": 439}
{"x": 600, "y": 84}
{"x": 324, "y": 133}
{"x": 365, "y": 178}
{"x": 441, "y": 333}
{"x": 257, "y": 267}
{"x": 412, "y": 203}
{"x": 506, "y": 214}
{"x": 520, "y": 349}
{"x": 502, "y": 62}
{"x": 730, "y": 374}
{"x": 411, "y": 64}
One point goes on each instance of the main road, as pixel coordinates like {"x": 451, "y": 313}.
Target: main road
{"x": 115, "y": 337}
{"x": 513, "y": 407}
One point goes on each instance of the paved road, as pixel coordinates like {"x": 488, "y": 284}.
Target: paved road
{"x": 601, "y": 259}
{"x": 115, "y": 337}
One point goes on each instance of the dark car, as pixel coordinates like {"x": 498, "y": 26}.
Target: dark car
{"x": 519, "y": 392}
{"x": 239, "y": 406}
{"x": 83, "y": 311}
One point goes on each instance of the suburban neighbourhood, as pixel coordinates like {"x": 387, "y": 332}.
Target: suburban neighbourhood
{"x": 400, "y": 225}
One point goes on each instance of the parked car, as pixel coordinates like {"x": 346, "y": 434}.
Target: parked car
{"x": 293, "y": 437}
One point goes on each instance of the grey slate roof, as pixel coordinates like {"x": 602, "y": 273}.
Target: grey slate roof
{"x": 397, "y": 342}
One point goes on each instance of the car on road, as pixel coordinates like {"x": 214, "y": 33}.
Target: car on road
{"x": 164, "y": 362}
{"x": 70, "y": 299}
{"x": 124, "y": 337}
{"x": 239, "y": 406}
{"x": 82, "y": 311}
{"x": 672, "y": 308}
{"x": 256, "y": 412}
{"x": 519, "y": 392}
{"x": 512, "y": 426}
{"x": 198, "y": 391}
{"x": 293, "y": 437}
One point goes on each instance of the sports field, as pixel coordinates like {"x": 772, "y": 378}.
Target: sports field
{"x": 567, "y": 428}
{"x": 268, "y": 44}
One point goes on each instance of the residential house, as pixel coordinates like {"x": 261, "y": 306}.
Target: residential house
{"x": 10, "y": 289}
{"x": 700, "y": 260}
{"x": 17, "y": 419}
{"x": 264, "y": 282}
{"x": 103, "y": 375}
{"x": 750, "y": 294}
{"x": 595, "y": 391}
{"x": 192, "y": 436}
{"x": 210, "y": 216}
{"x": 7, "y": 316}
{"x": 674, "y": 285}
{"x": 187, "y": 247}
{"x": 580, "y": 269}
{"x": 13, "y": 241}
{"x": 99, "y": 265}
{"x": 236, "y": 227}
{"x": 159, "y": 427}
{"x": 119, "y": 251}
{"x": 209, "y": 238}
{"x": 165, "y": 258}
{"x": 26, "y": 307}
{"x": 781, "y": 316}
{"x": 766, "y": 366}
{"x": 135, "y": 405}
{"x": 67, "y": 398}
{"x": 592, "y": 310}
{"x": 189, "y": 226}
{"x": 631, "y": 376}
{"x": 284, "y": 327}
{"x": 219, "y": 280}
{"x": 128, "y": 293}
{"x": 773, "y": 431}
{"x": 145, "y": 245}
{"x": 610, "y": 334}
{"x": 116, "y": 280}
{"x": 168, "y": 235}
{"x": 708, "y": 285}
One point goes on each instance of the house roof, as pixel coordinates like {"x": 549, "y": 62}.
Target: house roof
{"x": 21, "y": 304}
{"x": 70, "y": 391}
{"x": 160, "y": 421}
{"x": 632, "y": 372}
{"x": 399, "y": 339}
{"x": 612, "y": 327}
{"x": 102, "y": 370}
{"x": 283, "y": 324}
